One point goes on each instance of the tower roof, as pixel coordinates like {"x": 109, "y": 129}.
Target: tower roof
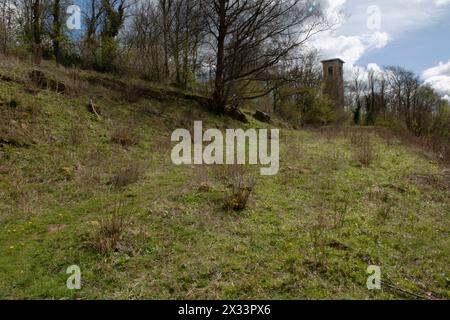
{"x": 333, "y": 60}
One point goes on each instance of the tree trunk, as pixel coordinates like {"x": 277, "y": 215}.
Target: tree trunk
{"x": 36, "y": 27}
{"x": 56, "y": 36}
{"x": 219, "y": 96}
{"x": 165, "y": 20}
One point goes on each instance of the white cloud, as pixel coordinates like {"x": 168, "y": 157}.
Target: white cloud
{"x": 374, "y": 67}
{"x": 441, "y": 3}
{"x": 379, "y": 39}
{"x": 351, "y": 38}
{"x": 439, "y": 78}
{"x": 397, "y": 16}
{"x": 348, "y": 47}
{"x": 350, "y": 20}
{"x": 441, "y": 69}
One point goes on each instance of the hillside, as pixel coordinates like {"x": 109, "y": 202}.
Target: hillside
{"x": 311, "y": 231}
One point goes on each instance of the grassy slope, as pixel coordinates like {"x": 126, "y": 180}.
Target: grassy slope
{"x": 182, "y": 244}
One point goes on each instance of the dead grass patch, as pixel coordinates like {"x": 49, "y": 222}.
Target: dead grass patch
{"x": 364, "y": 149}
{"x": 110, "y": 231}
{"x": 202, "y": 181}
{"x": 75, "y": 84}
{"x": 439, "y": 148}
{"x": 239, "y": 186}
{"x": 125, "y": 136}
{"x": 127, "y": 176}
{"x": 365, "y": 154}
{"x": 439, "y": 180}
{"x": 77, "y": 134}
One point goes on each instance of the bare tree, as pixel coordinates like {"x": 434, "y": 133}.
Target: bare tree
{"x": 57, "y": 32}
{"x": 104, "y": 20}
{"x": 143, "y": 39}
{"x": 187, "y": 32}
{"x": 248, "y": 37}
{"x": 8, "y": 24}
{"x": 31, "y": 22}
{"x": 165, "y": 7}
{"x": 357, "y": 88}
{"x": 404, "y": 85}
{"x": 168, "y": 33}
{"x": 371, "y": 98}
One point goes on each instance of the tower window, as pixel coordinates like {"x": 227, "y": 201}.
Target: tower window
{"x": 330, "y": 71}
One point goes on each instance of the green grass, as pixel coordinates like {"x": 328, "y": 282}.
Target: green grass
{"x": 182, "y": 243}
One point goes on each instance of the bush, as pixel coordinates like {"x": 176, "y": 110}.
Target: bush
{"x": 316, "y": 109}
{"x": 289, "y": 112}
{"x": 127, "y": 176}
{"x": 14, "y": 101}
{"x": 239, "y": 188}
{"x": 364, "y": 150}
{"x": 75, "y": 83}
{"x": 441, "y": 125}
{"x": 309, "y": 108}
{"x": 365, "y": 153}
{"x": 106, "y": 54}
{"x": 77, "y": 135}
{"x": 341, "y": 209}
{"x": 341, "y": 118}
{"x": 318, "y": 232}
{"x": 109, "y": 232}
{"x": 125, "y": 136}
{"x": 34, "y": 108}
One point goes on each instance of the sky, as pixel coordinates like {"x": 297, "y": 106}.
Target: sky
{"x": 414, "y": 34}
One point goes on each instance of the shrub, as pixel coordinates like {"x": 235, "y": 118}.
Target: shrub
{"x": 239, "y": 188}
{"x": 13, "y": 102}
{"x": 131, "y": 93}
{"x": 365, "y": 153}
{"x": 201, "y": 179}
{"x": 289, "y": 112}
{"x": 106, "y": 54}
{"x": 34, "y": 108}
{"x": 310, "y": 108}
{"x": 341, "y": 118}
{"x": 315, "y": 108}
{"x": 76, "y": 86}
{"x": 125, "y": 136}
{"x": 357, "y": 137}
{"x": 318, "y": 235}
{"x": 441, "y": 125}
{"x": 341, "y": 209}
{"x": 385, "y": 211}
{"x": 127, "y": 176}
{"x": 13, "y": 134}
{"x": 77, "y": 135}
{"x": 109, "y": 231}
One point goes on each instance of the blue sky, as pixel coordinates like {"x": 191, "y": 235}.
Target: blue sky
{"x": 416, "y": 50}
{"x": 414, "y": 34}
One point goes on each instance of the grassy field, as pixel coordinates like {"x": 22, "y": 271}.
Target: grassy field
{"x": 310, "y": 232}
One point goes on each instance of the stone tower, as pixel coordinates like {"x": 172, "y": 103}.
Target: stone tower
{"x": 333, "y": 78}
